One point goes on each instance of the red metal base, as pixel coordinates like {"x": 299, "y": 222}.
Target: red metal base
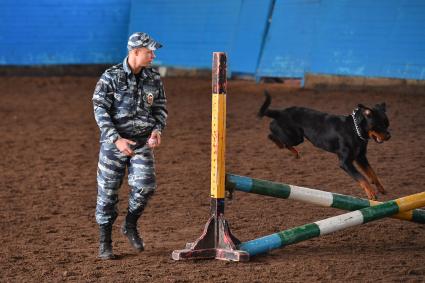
{"x": 220, "y": 245}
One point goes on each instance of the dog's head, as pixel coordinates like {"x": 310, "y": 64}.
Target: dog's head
{"x": 375, "y": 122}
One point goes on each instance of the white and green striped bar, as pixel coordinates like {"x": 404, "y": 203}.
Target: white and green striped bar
{"x": 333, "y": 224}
{"x": 328, "y": 199}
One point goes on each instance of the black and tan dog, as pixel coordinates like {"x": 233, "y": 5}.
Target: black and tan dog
{"x": 346, "y": 136}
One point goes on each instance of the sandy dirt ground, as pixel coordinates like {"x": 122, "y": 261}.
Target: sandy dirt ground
{"x": 49, "y": 149}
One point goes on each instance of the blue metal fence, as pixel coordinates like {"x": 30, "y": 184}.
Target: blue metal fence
{"x": 272, "y": 38}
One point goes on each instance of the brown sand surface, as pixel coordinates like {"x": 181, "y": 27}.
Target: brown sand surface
{"x": 49, "y": 150}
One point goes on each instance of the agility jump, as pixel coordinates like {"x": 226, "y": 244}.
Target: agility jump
{"x": 216, "y": 241}
{"x": 333, "y": 224}
{"x": 312, "y": 196}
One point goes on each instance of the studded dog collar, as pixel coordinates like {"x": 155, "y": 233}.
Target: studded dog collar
{"x": 353, "y": 115}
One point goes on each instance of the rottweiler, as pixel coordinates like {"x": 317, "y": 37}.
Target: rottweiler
{"x": 346, "y": 136}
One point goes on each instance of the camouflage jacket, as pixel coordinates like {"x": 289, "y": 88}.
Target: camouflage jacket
{"x": 129, "y": 107}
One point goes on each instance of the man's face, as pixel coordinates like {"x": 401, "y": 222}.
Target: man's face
{"x": 143, "y": 56}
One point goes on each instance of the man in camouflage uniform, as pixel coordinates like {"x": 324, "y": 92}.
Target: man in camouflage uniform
{"x": 130, "y": 110}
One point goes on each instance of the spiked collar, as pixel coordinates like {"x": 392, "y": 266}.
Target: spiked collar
{"x": 356, "y": 124}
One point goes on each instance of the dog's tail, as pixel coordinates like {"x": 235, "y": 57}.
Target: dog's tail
{"x": 264, "y": 110}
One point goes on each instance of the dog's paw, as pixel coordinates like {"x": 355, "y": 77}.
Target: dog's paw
{"x": 369, "y": 190}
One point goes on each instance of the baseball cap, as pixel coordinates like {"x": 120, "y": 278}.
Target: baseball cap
{"x": 141, "y": 39}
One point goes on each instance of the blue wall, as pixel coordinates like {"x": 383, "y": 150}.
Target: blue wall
{"x": 192, "y": 30}
{"x": 380, "y": 38}
{"x": 289, "y": 43}
{"x": 249, "y": 37}
{"x": 63, "y": 32}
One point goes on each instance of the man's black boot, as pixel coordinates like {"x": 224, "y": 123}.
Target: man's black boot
{"x": 129, "y": 229}
{"x": 105, "y": 243}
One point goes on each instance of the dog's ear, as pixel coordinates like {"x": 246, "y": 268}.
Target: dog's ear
{"x": 381, "y": 107}
{"x": 367, "y": 112}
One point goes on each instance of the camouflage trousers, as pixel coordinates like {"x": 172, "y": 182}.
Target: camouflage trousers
{"x": 110, "y": 175}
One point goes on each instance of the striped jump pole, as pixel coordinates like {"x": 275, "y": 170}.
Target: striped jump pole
{"x": 333, "y": 224}
{"x": 216, "y": 240}
{"x": 280, "y": 190}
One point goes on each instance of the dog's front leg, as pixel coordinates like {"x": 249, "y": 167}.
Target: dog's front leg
{"x": 347, "y": 166}
{"x": 367, "y": 169}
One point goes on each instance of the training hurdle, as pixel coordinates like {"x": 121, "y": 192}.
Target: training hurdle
{"x": 216, "y": 240}
{"x": 312, "y": 196}
{"x": 333, "y": 224}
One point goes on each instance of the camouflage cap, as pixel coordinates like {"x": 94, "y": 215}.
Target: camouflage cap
{"x": 141, "y": 39}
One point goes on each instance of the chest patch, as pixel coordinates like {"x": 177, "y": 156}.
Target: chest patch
{"x": 149, "y": 99}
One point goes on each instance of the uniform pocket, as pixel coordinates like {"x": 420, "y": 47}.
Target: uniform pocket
{"x": 123, "y": 101}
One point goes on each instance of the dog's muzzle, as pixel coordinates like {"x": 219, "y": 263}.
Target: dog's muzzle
{"x": 379, "y": 137}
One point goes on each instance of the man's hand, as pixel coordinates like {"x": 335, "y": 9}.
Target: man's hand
{"x": 123, "y": 145}
{"x": 154, "y": 139}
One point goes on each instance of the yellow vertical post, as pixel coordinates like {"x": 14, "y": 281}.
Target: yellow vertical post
{"x": 216, "y": 240}
{"x": 218, "y": 130}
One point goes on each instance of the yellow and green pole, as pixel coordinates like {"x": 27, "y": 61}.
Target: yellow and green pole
{"x": 313, "y": 196}
{"x": 216, "y": 240}
{"x": 333, "y": 224}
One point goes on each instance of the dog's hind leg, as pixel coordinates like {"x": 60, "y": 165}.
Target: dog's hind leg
{"x": 347, "y": 166}
{"x": 281, "y": 145}
{"x": 364, "y": 165}
{"x": 276, "y": 140}
{"x": 294, "y": 151}
{"x": 281, "y": 139}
